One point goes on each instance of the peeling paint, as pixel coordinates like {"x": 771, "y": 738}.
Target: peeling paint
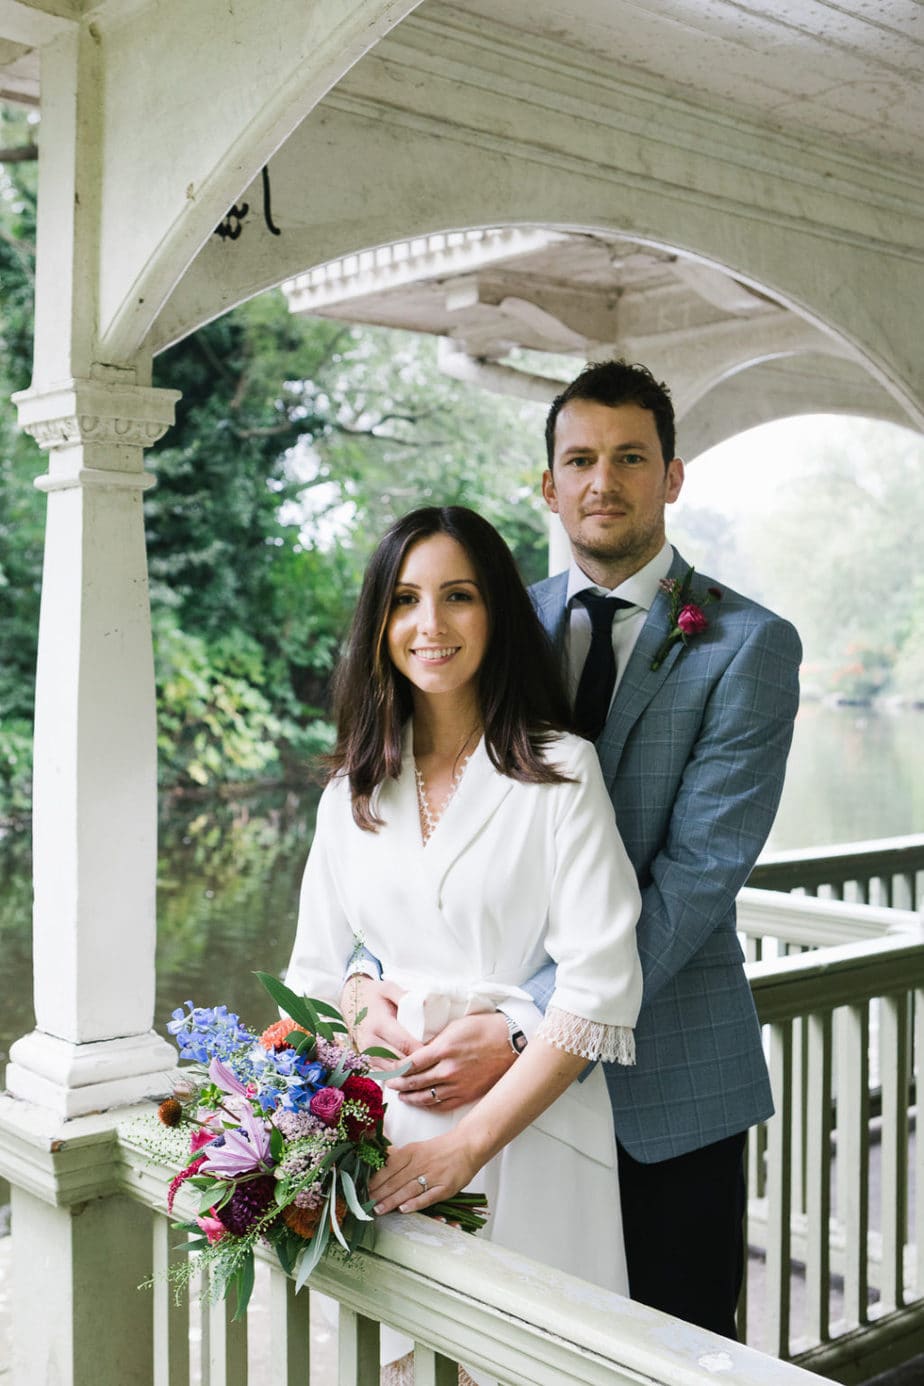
{"x": 716, "y": 1362}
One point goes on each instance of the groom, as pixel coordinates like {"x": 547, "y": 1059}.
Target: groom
{"x": 692, "y": 732}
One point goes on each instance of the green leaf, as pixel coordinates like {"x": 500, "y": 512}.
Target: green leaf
{"x": 312, "y": 1254}
{"x": 332, "y": 1213}
{"x": 277, "y": 1144}
{"x": 287, "y": 1247}
{"x": 296, "y": 1008}
{"x": 352, "y": 1198}
{"x": 207, "y": 1200}
{"x": 194, "y": 1244}
{"x": 377, "y": 1051}
{"x": 383, "y": 1074}
{"x": 243, "y": 1285}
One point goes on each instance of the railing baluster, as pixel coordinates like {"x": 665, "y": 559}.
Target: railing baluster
{"x": 171, "y": 1319}
{"x": 893, "y": 1076}
{"x": 919, "y": 1140}
{"x": 431, "y": 1368}
{"x": 818, "y": 1177}
{"x": 853, "y": 1157}
{"x": 227, "y": 1346}
{"x": 290, "y": 1335}
{"x": 358, "y": 1349}
{"x": 902, "y": 893}
{"x": 779, "y": 1185}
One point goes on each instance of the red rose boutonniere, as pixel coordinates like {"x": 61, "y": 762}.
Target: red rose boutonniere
{"x": 686, "y": 614}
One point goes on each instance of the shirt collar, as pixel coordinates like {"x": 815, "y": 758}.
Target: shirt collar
{"x": 640, "y": 589}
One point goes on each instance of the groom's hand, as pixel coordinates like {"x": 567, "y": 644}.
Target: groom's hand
{"x": 459, "y": 1065}
{"x": 379, "y": 1026}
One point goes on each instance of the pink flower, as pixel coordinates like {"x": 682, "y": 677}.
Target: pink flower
{"x": 222, "y": 1076}
{"x": 691, "y": 619}
{"x": 246, "y": 1149}
{"x": 202, "y": 1135}
{"x": 326, "y": 1105}
{"x": 212, "y": 1228}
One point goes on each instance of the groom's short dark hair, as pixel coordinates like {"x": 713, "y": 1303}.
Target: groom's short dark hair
{"x": 614, "y": 383}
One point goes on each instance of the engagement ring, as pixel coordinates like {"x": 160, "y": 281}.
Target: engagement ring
{"x": 433, "y": 1095}
{"x": 422, "y": 1181}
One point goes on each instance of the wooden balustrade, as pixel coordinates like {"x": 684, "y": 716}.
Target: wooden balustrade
{"x": 838, "y": 983}
{"x": 810, "y": 1208}
{"x": 888, "y": 871}
{"x": 458, "y": 1298}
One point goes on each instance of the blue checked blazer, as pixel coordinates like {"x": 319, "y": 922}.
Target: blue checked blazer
{"x": 693, "y": 755}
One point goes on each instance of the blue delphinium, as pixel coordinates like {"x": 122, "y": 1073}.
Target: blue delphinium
{"x": 210, "y": 1032}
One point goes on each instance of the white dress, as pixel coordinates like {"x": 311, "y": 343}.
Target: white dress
{"x": 513, "y": 874}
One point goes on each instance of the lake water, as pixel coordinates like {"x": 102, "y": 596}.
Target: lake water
{"x": 229, "y": 873}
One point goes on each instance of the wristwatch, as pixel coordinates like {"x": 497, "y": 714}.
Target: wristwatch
{"x": 518, "y": 1040}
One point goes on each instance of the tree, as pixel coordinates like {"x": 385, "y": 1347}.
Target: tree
{"x": 21, "y": 506}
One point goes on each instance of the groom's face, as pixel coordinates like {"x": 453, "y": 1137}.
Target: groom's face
{"x": 609, "y": 486}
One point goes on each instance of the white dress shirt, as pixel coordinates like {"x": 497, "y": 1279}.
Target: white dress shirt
{"x": 640, "y": 589}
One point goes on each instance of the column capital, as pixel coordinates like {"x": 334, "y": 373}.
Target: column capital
{"x": 111, "y": 412}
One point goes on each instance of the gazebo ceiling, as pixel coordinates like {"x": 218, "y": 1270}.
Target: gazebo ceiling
{"x": 845, "y": 70}
{"x": 830, "y": 80}
{"x": 848, "y": 70}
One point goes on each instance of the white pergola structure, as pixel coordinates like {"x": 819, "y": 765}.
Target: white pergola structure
{"x": 749, "y": 171}
{"x": 734, "y": 356}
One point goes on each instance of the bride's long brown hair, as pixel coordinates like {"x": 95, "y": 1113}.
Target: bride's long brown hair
{"x": 520, "y": 690}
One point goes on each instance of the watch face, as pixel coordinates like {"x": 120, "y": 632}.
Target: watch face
{"x": 518, "y": 1040}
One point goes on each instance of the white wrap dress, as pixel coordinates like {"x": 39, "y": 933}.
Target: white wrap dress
{"x": 513, "y": 874}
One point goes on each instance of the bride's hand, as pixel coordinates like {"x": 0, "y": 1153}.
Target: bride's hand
{"x": 444, "y": 1163}
{"x": 379, "y": 1027}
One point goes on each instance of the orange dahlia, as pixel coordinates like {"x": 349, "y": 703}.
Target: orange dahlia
{"x": 276, "y": 1036}
{"x": 306, "y": 1221}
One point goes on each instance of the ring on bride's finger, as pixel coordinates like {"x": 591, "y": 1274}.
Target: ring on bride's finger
{"x": 433, "y": 1095}
{"x": 422, "y": 1181}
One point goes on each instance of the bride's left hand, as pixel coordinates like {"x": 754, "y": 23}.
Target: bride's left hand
{"x": 443, "y": 1162}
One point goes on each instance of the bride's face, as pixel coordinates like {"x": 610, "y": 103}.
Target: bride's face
{"x": 438, "y": 628}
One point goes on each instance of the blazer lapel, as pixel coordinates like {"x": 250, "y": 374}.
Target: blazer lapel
{"x": 480, "y": 793}
{"x": 551, "y": 609}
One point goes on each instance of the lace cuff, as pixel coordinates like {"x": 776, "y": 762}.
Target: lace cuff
{"x": 590, "y": 1039}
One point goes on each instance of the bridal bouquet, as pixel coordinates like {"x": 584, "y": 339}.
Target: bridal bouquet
{"x": 285, "y": 1132}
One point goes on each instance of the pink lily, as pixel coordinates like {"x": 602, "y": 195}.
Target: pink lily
{"x": 222, "y": 1076}
{"x": 243, "y": 1150}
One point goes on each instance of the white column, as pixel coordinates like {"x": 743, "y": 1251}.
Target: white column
{"x": 95, "y": 785}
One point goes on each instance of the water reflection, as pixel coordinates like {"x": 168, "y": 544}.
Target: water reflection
{"x": 227, "y": 896}
{"x": 853, "y": 774}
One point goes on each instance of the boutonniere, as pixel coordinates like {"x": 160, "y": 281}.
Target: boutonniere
{"x": 685, "y": 615}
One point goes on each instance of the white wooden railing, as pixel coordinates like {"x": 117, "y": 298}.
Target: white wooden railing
{"x": 458, "y": 1299}
{"x": 837, "y": 1273}
{"x": 838, "y": 986}
{"x": 888, "y": 871}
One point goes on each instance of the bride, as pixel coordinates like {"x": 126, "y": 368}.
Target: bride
{"x": 465, "y": 837}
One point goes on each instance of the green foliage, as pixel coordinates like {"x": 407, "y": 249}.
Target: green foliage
{"x": 215, "y": 722}
{"x": 21, "y": 506}
{"x": 830, "y": 541}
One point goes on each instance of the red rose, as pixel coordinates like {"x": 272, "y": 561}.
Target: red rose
{"x": 692, "y": 619}
{"x": 326, "y": 1104}
{"x": 367, "y": 1091}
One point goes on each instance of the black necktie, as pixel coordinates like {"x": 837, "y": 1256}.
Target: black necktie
{"x": 592, "y": 701}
